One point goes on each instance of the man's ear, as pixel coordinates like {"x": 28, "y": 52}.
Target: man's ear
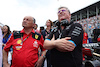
{"x": 70, "y": 16}
{"x": 33, "y": 25}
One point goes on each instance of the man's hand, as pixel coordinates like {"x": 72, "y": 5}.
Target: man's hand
{"x": 40, "y": 60}
{"x": 64, "y": 45}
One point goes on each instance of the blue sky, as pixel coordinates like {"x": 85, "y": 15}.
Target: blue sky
{"x": 13, "y": 11}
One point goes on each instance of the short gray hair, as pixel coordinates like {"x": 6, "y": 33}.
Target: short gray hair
{"x": 64, "y": 7}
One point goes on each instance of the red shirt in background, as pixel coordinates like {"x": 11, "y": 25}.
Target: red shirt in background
{"x": 85, "y": 38}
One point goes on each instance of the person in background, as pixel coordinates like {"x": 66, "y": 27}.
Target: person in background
{"x": 1, "y": 47}
{"x": 35, "y": 28}
{"x": 25, "y": 46}
{"x": 47, "y": 31}
{"x": 41, "y": 28}
{"x": 85, "y": 40}
{"x": 6, "y": 35}
{"x": 85, "y": 37}
{"x": 45, "y": 34}
{"x": 65, "y": 41}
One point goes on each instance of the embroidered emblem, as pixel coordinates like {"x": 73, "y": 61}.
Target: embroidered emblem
{"x": 36, "y": 36}
{"x": 19, "y": 42}
{"x": 18, "y": 47}
{"x": 35, "y": 44}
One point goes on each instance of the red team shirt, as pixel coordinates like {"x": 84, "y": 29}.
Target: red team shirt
{"x": 85, "y": 38}
{"x": 24, "y": 55}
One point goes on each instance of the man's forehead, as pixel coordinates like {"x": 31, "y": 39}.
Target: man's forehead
{"x": 62, "y": 8}
{"x": 28, "y": 17}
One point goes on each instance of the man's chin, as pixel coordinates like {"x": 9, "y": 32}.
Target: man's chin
{"x": 62, "y": 18}
{"x": 24, "y": 26}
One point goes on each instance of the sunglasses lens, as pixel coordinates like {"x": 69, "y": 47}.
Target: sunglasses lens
{"x": 58, "y": 11}
{"x": 63, "y": 10}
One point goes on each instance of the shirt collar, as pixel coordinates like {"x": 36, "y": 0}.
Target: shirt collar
{"x": 22, "y": 31}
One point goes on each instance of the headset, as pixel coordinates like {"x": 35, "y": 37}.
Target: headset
{"x": 62, "y": 23}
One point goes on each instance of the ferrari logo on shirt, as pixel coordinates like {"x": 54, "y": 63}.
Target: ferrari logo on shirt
{"x": 36, "y": 36}
{"x": 19, "y": 41}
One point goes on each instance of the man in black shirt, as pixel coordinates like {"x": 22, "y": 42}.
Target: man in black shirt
{"x": 65, "y": 41}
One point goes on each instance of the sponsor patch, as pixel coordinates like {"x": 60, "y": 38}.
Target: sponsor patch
{"x": 35, "y": 44}
{"x": 18, "y": 47}
{"x": 19, "y": 41}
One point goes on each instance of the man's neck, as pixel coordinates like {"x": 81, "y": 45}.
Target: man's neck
{"x": 28, "y": 30}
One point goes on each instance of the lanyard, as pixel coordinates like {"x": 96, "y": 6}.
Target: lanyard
{"x": 24, "y": 39}
{"x": 59, "y": 34}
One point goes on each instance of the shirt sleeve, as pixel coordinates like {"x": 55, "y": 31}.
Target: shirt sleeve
{"x": 42, "y": 42}
{"x": 9, "y": 43}
{"x": 76, "y": 33}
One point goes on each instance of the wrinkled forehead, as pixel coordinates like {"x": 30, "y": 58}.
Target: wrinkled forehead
{"x": 64, "y": 8}
{"x": 28, "y": 17}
